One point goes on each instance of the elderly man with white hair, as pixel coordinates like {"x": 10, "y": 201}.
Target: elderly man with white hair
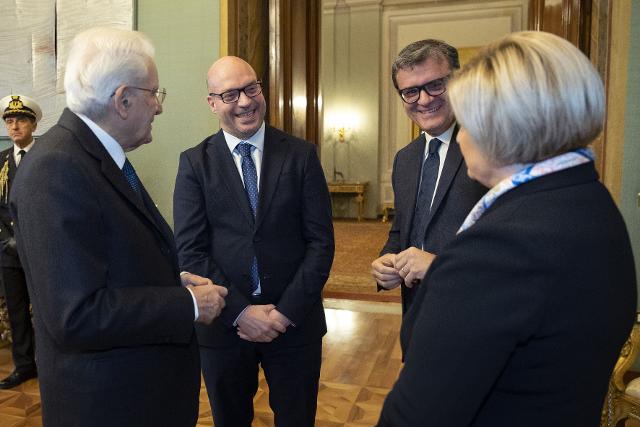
{"x": 115, "y": 318}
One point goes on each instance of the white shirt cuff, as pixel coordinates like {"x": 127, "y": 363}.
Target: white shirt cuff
{"x": 195, "y": 304}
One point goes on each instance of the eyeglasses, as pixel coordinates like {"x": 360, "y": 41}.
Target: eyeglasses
{"x": 435, "y": 87}
{"x": 160, "y": 93}
{"x": 233, "y": 95}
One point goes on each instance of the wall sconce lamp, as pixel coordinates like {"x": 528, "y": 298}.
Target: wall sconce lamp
{"x": 341, "y": 126}
{"x": 341, "y": 132}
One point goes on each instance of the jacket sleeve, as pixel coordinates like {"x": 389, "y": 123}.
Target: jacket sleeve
{"x": 305, "y": 289}
{"x": 193, "y": 235}
{"x": 393, "y": 240}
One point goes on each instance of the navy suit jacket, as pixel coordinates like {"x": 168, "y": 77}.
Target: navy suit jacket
{"x": 524, "y": 314}
{"x": 115, "y": 341}
{"x": 455, "y": 197}
{"x": 291, "y": 237}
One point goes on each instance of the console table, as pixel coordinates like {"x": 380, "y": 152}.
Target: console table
{"x": 356, "y": 189}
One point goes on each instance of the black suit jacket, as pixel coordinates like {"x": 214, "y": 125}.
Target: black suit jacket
{"x": 523, "y": 315}
{"x": 115, "y": 340}
{"x": 292, "y": 236}
{"x": 8, "y": 258}
{"x": 455, "y": 197}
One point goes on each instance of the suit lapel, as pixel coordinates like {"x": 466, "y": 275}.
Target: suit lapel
{"x": 108, "y": 167}
{"x": 222, "y": 161}
{"x": 158, "y": 220}
{"x": 275, "y": 152}
{"x": 415, "y": 155}
{"x": 451, "y": 165}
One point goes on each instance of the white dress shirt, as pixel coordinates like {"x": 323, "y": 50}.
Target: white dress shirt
{"x": 445, "y": 137}
{"x": 16, "y": 149}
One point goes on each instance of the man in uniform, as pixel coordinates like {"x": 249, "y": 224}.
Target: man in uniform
{"x": 21, "y": 116}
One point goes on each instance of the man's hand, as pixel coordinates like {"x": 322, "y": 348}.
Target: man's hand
{"x": 279, "y": 317}
{"x": 194, "y": 279}
{"x": 210, "y": 301}
{"x": 412, "y": 265}
{"x": 255, "y": 324}
{"x": 384, "y": 272}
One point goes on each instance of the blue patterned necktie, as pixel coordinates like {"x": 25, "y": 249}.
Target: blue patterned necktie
{"x": 428, "y": 181}
{"x": 130, "y": 173}
{"x": 250, "y": 178}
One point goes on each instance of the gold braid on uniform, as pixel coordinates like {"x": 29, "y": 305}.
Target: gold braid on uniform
{"x": 4, "y": 181}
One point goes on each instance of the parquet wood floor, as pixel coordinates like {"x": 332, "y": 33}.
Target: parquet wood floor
{"x": 361, "y": 360}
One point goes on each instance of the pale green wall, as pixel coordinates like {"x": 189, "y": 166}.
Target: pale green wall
{"x": 186, "y": 35}
{"x": 631, "y": 161}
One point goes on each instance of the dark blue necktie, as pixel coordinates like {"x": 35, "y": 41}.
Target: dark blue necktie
{"x": 130, "y": 173}
{"x": 250, "y": 178}
{"x": 21, "y": 153}
{"x": 425, "y": 194}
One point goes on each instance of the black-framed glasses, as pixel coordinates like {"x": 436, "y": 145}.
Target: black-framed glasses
{"x": 435, "y": 87}
{"x": 233, "y": 95}
{"x": 160, "y": 93}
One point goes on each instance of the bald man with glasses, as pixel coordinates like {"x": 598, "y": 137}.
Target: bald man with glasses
{"x": 432, "y": 192}
{"x": 252, "y": 213}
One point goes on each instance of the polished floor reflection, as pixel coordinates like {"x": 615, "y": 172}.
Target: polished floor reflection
{"x": 361, "y": 360}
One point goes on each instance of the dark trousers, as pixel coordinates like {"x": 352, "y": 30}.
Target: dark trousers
{"x": 17, "y": 299}
{"x": 292, "y": 373}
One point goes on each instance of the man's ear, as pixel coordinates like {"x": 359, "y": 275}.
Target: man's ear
{"x": 212, "y": 104}
{"x": 121, "y": 101}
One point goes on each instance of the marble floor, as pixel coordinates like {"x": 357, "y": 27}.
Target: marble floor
{"x": 361, "y": 360}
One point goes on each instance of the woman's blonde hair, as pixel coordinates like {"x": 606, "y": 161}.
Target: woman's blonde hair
{"x": 528, "y": 96}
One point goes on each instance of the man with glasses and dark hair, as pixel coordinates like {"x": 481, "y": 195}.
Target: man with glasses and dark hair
{"x": 252, "y": 213}
{"x": 114, "y": 315}
{"x": 432, "y": 192}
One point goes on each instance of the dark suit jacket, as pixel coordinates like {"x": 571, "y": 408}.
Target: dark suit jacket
{"x": 524, "y": 314}
{"x": 7, "y": 258}
{"x": 115, "y": 338}
{"x": 455, "y": 197}
{"x": 292, "y": 237}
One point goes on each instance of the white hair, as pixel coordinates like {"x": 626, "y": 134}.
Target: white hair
{"x": 528, "y": 96}
{"x": 100, "y": 60}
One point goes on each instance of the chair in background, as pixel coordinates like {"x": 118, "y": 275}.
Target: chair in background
{"x": 623, "y": 400}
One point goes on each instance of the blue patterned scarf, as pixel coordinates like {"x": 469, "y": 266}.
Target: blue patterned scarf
{"x": 531, "y": 171}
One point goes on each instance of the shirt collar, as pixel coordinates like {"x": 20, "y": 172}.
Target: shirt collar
{"x": 257, "y": 139}
{"x": 110, "y": 144}
{"x": 26, "y": 148}
{"x": 445, "y": 136}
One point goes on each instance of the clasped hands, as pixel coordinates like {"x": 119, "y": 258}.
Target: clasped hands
{"x": 408, "y": 266}
{"x": 209, "y": 297}
{"x": 262, "y": 323}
